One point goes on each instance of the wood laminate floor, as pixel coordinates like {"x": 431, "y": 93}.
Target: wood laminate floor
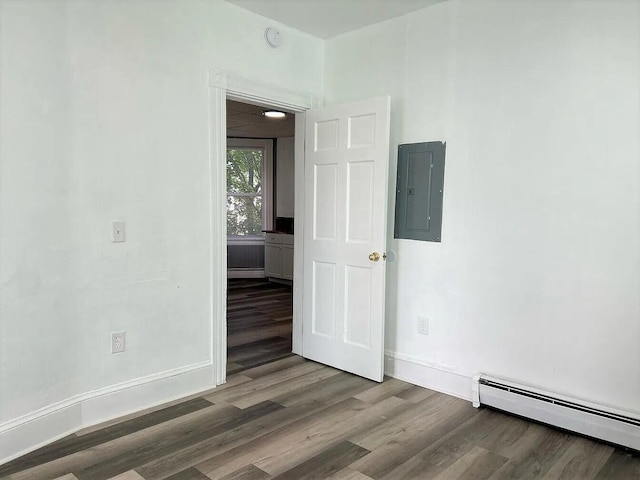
{"x": 295, "y": 419}
{"x": 259, "y": 323}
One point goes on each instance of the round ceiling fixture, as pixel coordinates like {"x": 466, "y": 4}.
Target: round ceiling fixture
{"x": 274, "y": 114}
{"x": 272, "y": 36}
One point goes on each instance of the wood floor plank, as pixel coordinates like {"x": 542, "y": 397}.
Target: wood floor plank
{"x": 178, "y": 438}
{"x": 272, "y": 356}
{"x": 272, "y": 367}
{"x": 265, "y": 357}
{"x": 326, "y": 463}
{"x": 487, "y": 425}
{"x": 396, "y": 449}
{"x": 231, "y": 381}
{"x": 477, "y": 464}
{"x": 415, "y": 394}
{"x": 282, "y": 388}
{"x": 276, "y": 330}
{"x": 310, "y": 443}
{"x": 280, "y": 450}
{"x": 260, "y": 346}
{"x": 329, "y": 391}
{"x": 121, "y": 446}
{"x": 389, "y": 387}
{"x": 68, "y": 476}
{"x": 515, "y": 439}
{"x": 410, "y": 469}
{"x": 130, "y": 475}
{"x": 254, "y": 357}
{"x": 264, "y": 446}
{"x": 268, "y": 381}
{"x": 248, "y": 472}
{"x": 73, "y": 444}
{"x": 259, "y": 322}
{"x": 414, "y": 419}
{"x": 535, "y": 457}
{"x": 581, "y": 461}
{"x": 188, "y": 474}
{"x": 234, "y": 368}
{"x": 621, "y": 466}
{"x": 349, "y": 474}
{"x": 216, "y": 445}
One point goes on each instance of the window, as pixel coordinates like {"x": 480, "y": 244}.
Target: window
{"x": 249, "y": 179}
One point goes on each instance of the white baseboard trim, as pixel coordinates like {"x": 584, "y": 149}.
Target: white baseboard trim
{"x": 245, "y": 273}
{"x": 429, "y": 375}
{"x": 36, "y": 429}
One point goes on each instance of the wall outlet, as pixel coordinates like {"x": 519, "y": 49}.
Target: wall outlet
{"x": 118, "y": 342}
{"x": 423, "y": 325}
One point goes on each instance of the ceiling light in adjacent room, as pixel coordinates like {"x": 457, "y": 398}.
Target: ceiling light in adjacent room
{"x": 274, "y": 114}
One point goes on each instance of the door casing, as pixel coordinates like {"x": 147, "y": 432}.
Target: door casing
{"x": 223, "y": 85}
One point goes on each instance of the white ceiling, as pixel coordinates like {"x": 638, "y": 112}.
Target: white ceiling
{"x": 328, "y": 18}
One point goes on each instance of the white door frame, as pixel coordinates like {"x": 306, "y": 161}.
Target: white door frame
{"x": 223, "y": 85}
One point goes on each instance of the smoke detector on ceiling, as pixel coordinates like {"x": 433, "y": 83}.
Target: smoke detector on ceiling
{"x": 272, "y": 36}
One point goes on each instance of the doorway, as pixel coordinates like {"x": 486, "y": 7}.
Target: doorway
{"x": 260, "y": 230}
{"x": 225, "y": 85}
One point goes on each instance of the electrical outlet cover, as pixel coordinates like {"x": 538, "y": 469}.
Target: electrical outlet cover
{"x": 118, "y": 340}
{"x": 423, "y": 325}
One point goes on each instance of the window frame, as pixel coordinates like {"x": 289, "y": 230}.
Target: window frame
{"x": 267, "y": 185}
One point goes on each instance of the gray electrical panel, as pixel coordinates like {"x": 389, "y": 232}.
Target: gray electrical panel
{"x": 419, "y": 191}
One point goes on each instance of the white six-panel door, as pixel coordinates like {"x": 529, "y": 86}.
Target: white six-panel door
{"x": 345, "y": 210}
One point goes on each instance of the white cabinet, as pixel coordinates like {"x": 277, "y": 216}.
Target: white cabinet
{"x": 287, "y": 262}
{"x": 272, "y": 260}
{"x": 285, "y": 177}
{"x": 278, "y": 256}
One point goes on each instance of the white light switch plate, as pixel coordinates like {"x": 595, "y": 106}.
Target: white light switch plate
{"x": 118, "y": 232}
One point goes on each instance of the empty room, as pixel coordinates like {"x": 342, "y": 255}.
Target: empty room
{"x": 444, "y": 278}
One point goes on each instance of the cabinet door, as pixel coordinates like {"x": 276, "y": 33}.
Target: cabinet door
{"x": 287, "y": 262}
{"x": 285, "y": 178}
{"x": 272, "y": 260}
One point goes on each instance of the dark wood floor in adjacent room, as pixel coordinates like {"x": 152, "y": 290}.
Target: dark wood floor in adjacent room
{"x": 259, "y": 322}
{"x": 295, "y": 419}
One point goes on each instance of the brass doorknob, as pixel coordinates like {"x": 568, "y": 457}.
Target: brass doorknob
{"x": 374, "y": 257}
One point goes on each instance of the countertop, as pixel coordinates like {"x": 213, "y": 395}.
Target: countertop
{"x": 278, "y": 231}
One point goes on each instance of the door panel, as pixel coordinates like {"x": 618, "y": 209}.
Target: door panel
{"x": 359, "y": 208}
{"x": 346, "y": 172}
{"x": 325, "y": 207}
{"x": 324, "y": 299}
{"x": 357, "y": 306}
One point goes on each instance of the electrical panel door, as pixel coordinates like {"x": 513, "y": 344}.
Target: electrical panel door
{"x": 419, "y": 191}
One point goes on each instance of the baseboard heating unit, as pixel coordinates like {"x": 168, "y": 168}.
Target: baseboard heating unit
{"x": 621, "y": 428}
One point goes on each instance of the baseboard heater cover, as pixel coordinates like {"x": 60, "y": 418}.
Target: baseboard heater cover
{"x": 608, "y": 424}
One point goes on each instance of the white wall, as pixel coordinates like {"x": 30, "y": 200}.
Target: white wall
{"x": 103, "y": 116}
{"x": 537, "y": 277}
